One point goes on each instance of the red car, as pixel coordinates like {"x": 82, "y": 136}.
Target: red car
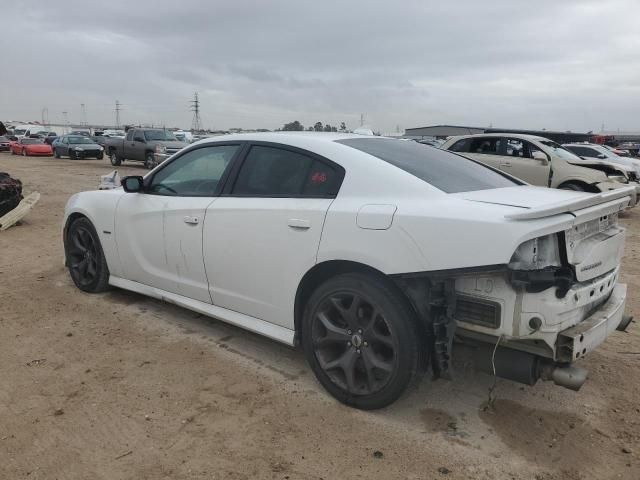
{"x": 31, "y": 147}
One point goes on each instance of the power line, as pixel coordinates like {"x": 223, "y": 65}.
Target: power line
{"x": 196, "y": 123}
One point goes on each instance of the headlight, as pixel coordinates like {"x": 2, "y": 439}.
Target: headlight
{"x": 618, "y": 177}
{"x": 79, "y": 149}
{"x": 101, "y": 148}
{"x": 537, "y": 254}
{"x": 161, "y": 149}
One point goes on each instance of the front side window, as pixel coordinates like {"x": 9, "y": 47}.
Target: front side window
{"x": 442, "y": 169}
{"x": 275, "y": 172}
{"x": 196, "y": 173}
{"x": 486, "y": 145}
{"x": 159, "y": 135}
{"x": 460, "y": 145}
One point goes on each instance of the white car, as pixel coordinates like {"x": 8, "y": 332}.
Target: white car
{"x": 371, "y": 253}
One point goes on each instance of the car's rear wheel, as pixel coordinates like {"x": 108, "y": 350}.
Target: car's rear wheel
{"x": 85, "y": 258}
{"x": 72, "y": 155}
{"x": 573, "y": 186}
{"x": 56, "y": 153}
{"x": 24, "y": 152}
{"x": 100, "y": 156}
{"x": 361, "y": 339}
{"x": 115, "y": 160}
{"x": 149, "y": 161}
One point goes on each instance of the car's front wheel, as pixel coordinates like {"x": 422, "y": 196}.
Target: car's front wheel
{"x": 85, "y": 258}
{"x": 149, "y": 161}
{"x": 56, "y": 153}
{"x": 24, "y": 152}
{"x": 361, "y": 339}
{"x": 100, "y": 156}
{"x": 115, "y": 160}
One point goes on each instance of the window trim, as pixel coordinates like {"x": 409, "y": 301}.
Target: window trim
{"x": 227, "y": 190}
{"x": 242, "y": 145}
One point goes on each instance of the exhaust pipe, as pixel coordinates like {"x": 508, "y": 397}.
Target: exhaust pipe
{"x": 524, "y": 367}
{"x": 624, "y": 323}
{"x": 570, "y": 377}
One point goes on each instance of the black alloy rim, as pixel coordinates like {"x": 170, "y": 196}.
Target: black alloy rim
{"x": 83, "y": 256}
{"x": 353, "y": 343}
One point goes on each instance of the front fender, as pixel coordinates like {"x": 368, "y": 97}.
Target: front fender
{"x": 99, "y": 207}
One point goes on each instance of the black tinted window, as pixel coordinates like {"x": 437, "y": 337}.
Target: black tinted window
{"x": 446, "y": 171}
{"x": 275, "y": 172}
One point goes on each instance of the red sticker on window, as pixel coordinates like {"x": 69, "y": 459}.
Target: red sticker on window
{"x": 319, "y": 177}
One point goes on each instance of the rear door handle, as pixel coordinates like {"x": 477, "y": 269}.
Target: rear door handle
{"x": 191, "y": 220}
{"x": 299, "y": 223}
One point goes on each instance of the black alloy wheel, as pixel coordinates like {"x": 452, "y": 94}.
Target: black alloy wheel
{"x": 85, "y": 258}
{"x": 360, "y": 337}
{"x": 72, "y": 154}
{"x": 56, "y": 153}
{"x": 115, "y": 160}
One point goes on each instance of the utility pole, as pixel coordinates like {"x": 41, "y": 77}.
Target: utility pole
{"x": 66, "y": 122}
{"x": 45, "y": 117}
{"x": 118, "y": 108}
{"x": 84, "y": 115}
{"x": 362, "y": 119}
{"x": 196, "y": 123}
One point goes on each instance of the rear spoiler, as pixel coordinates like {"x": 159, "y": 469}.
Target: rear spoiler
{"x": 624, "y": 194}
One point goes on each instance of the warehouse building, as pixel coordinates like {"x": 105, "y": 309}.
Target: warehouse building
{"x": 445, "y": 131}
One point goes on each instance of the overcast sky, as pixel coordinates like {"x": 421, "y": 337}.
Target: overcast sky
{"x": 569, "y": 64}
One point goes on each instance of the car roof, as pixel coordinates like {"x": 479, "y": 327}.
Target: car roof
{"x": 523, "y": 136}
{"x": 298, "y": 139}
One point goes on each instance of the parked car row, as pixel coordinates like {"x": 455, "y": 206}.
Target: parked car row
{"x": 540, "y": 161}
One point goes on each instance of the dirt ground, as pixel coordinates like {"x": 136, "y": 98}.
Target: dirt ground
{"x": 119, "y": 386}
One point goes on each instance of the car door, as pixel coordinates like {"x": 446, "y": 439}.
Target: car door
{"x": 518, "y": 161}
{"x": 159, "y": 231}
{"x": 129, "y": 145}
{"x": 488, "y": 150}
{"x": 262, "y": 235}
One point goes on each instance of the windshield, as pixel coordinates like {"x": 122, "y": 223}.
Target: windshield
{"x": 560, "y": 151}
{"x": 19, "y": 131}
{"x": 444, "y": 170}
{"x": 79, "y": 139}
{"x": 31, "y": 141}
{"x": 4, "y": 139}
{"x": 162, "y": 135}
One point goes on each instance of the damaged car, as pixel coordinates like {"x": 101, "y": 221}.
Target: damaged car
{"x": 543, "y": 162}
{"x": 371, "y": 253}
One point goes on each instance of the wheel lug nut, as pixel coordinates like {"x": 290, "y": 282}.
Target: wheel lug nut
{"x": 348, "y": 344}
{"x": 349, "y": 332}
{"x": 366, "y": 344}
{"x": 358, "y": 351}
{"x": 359, "y": 330}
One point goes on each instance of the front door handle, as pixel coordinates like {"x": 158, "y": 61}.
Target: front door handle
{"x": 506, "y": 164}
{"x": 299, "y": 223}
{"x": 191, "y": 220}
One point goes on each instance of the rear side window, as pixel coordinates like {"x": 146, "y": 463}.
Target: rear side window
{"x": 460, "y": 145}
{"x": 444, "y": 170}
{"x": 276, "y": 172}
{"x": 486, "y": 145}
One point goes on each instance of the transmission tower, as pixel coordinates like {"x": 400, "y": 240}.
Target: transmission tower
{"x": 66, "y": 121}
{"x": 45, "y": 117}
{"x": 117, "y": 110}
{"x": 84, "y": 115}
{"x": 362, "y": 119}
{"x": 196, "y": 123}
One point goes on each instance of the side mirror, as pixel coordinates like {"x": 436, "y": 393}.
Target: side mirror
{"x": 602, "y": 156}
{"x": 541, "y": 157}
{"x": 133, "y": 184}
{"x": 139, "y": 139}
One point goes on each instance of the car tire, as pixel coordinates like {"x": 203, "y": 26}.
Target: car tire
{"x": 364, "y": 354}
{"x": 24, "y": 152}
{"x": 572, "y": 186}
{"x": 115, "y": 160}
{"x": 72, "y": 155}
{"x": 100, "y": 156}
{"x": 149, "y": 161}
{"x": 13, "y": 152}
{"x": 56, "y": 153}
{"x": 85, "y": 258}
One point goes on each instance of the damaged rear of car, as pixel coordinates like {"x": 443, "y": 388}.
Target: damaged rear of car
{"x": 526, "y": 275}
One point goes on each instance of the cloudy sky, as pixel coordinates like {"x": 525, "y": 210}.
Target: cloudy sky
{"x": 570, "y": 64}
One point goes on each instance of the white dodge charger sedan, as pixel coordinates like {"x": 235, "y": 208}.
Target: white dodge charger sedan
{"x": 371, "y": 253}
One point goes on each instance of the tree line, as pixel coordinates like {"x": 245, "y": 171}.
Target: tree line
{"x": 296, "y": 126}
